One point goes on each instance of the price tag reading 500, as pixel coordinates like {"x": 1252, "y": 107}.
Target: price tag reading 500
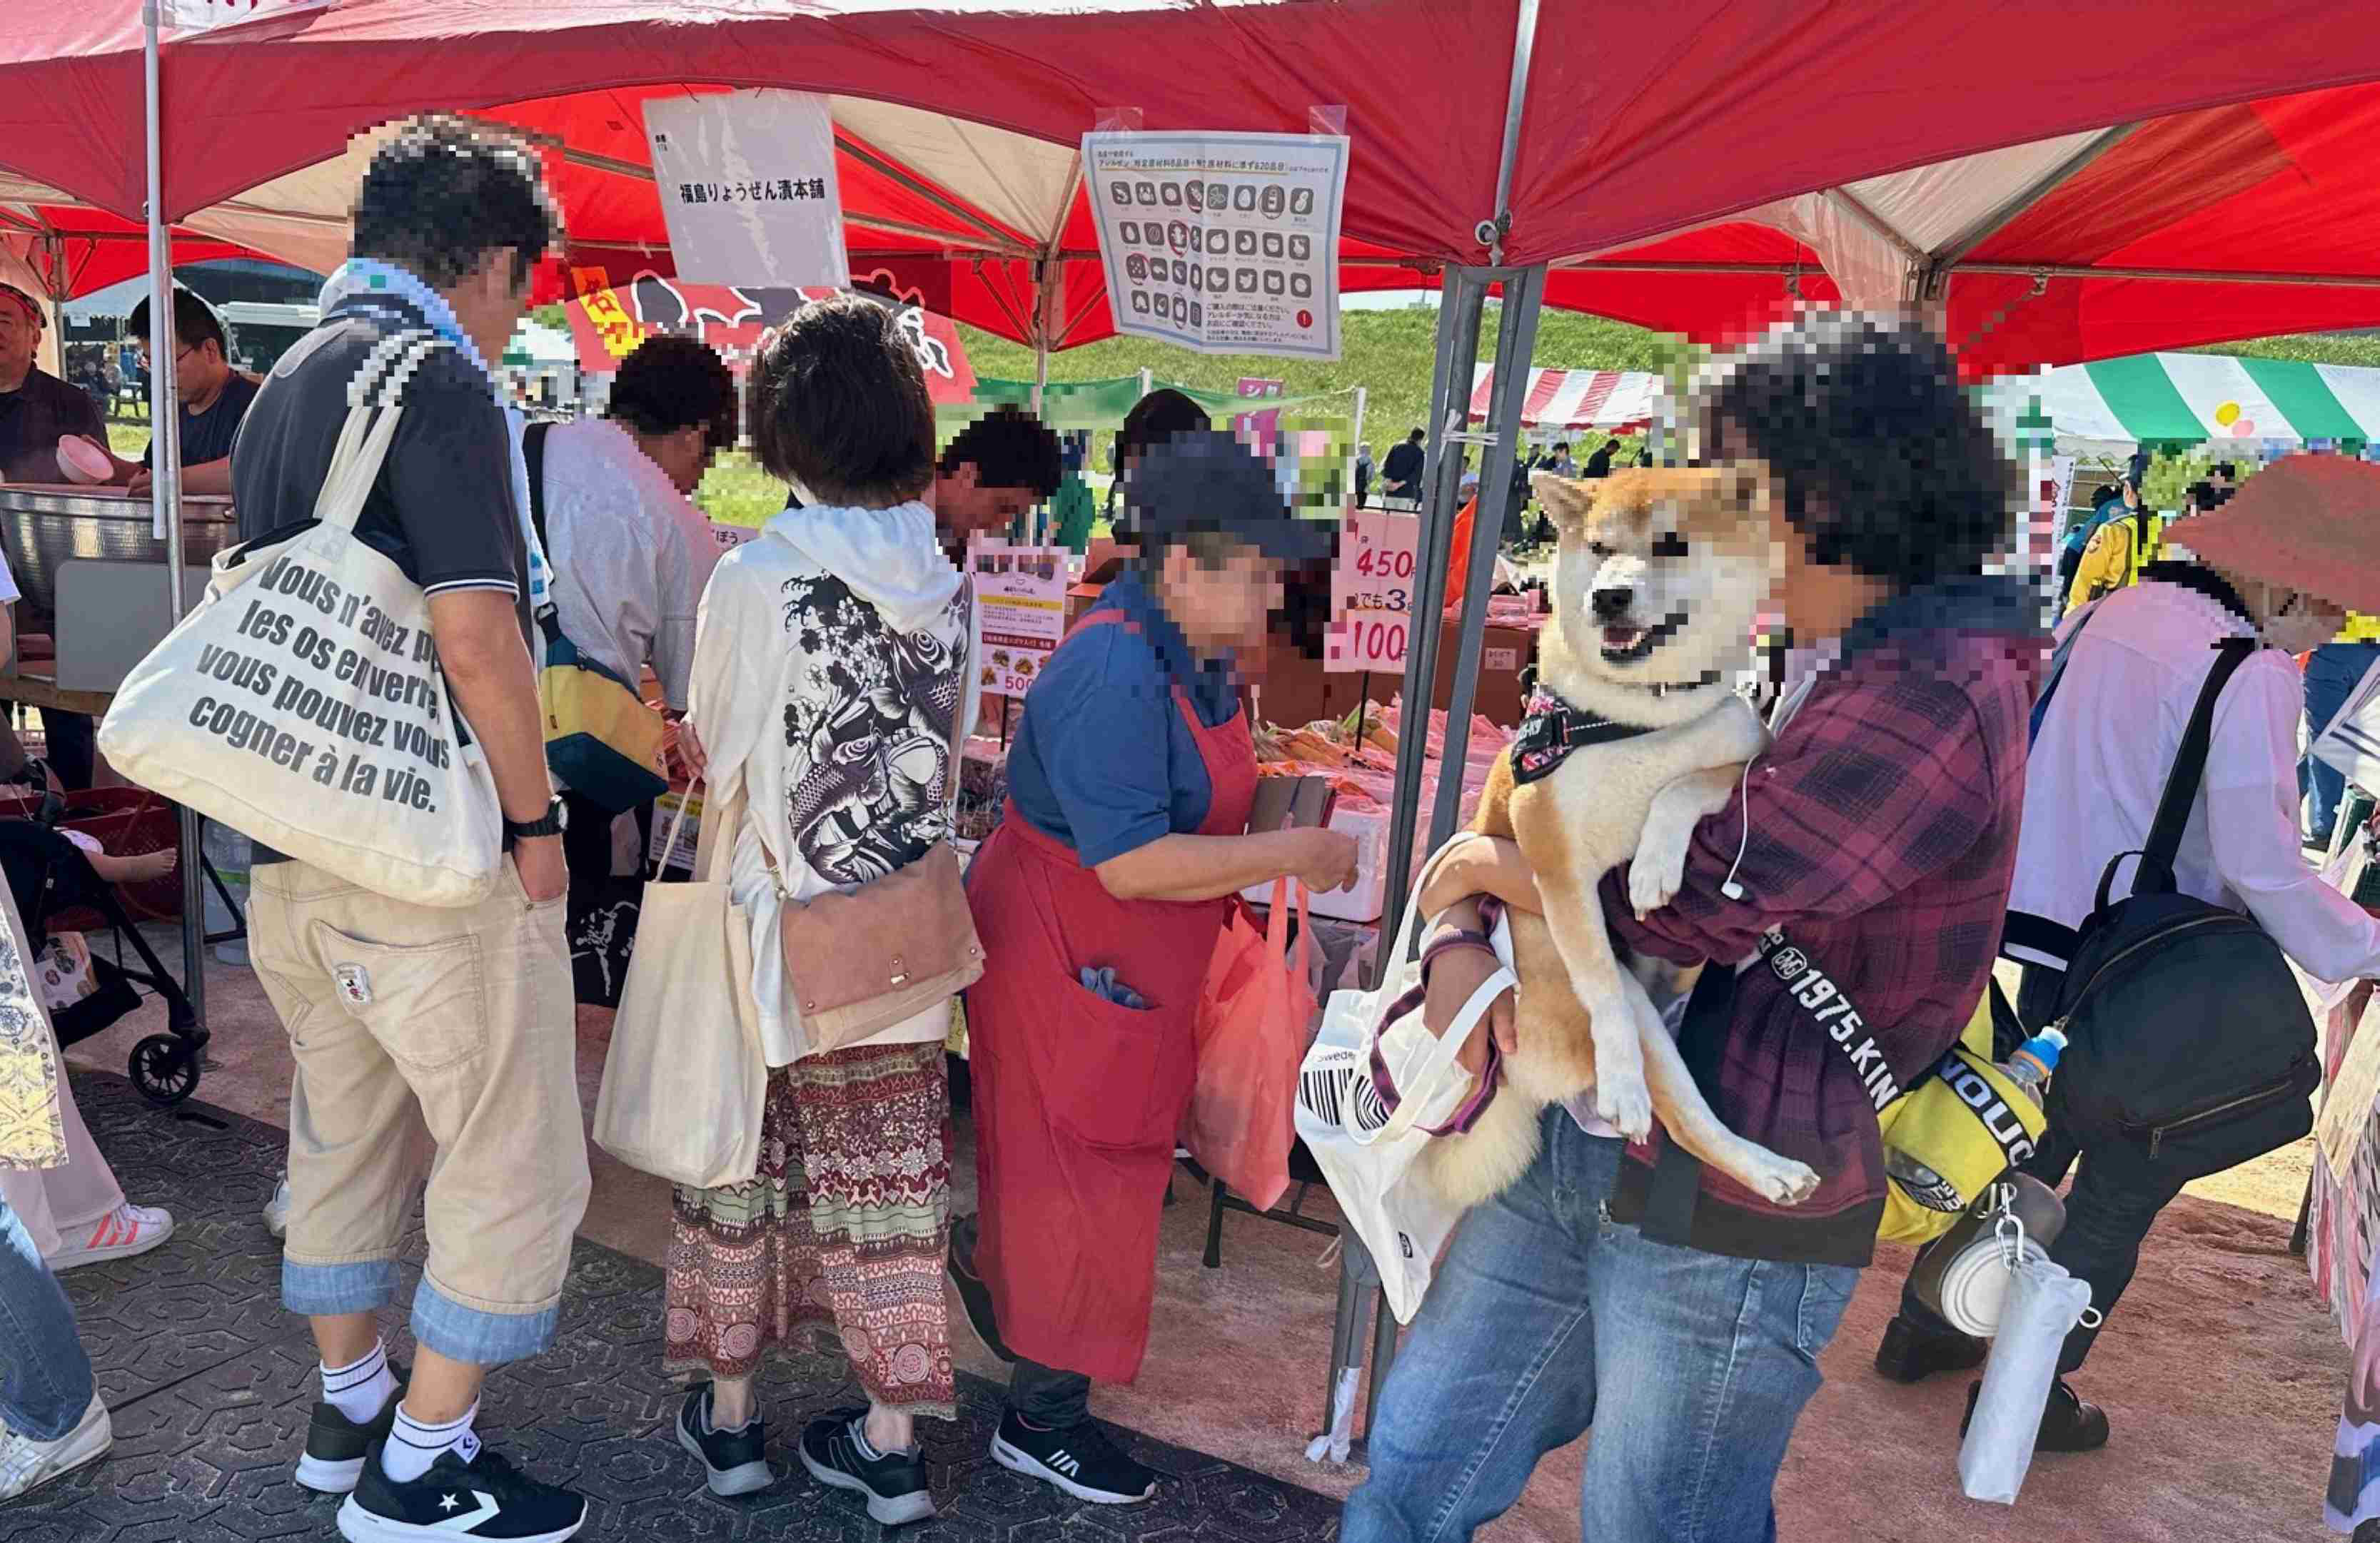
{"x": 1371, "y": 592}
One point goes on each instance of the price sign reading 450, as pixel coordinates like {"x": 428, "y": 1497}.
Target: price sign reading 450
{"x": 1371, "y": 592}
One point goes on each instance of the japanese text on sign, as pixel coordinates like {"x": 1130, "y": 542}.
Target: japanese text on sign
{"x": 1020, "y": 604}
{"x": 1225, "y": 243}
{"x": 747, "y": 188}
{"x": 1371, "y": 592}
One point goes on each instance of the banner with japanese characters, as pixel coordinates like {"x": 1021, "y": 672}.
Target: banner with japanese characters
{"x": 1224, "y": 243}
{"x": 747, "y": 188}
{"x": 607, "y": 323}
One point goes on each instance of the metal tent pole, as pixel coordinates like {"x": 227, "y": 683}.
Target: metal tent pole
{"x": 1516, "y": 336}
{"x": 166, "y": 482}
{"x": 1460, "y": 303}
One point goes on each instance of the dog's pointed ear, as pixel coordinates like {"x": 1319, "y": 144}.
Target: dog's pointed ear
{"x": 1566, "y": 501}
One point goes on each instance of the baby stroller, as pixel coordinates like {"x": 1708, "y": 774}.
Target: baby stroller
{"x": 57, "y": 891}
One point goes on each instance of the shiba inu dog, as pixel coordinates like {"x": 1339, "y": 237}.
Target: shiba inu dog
{"x": 1634, "y": 734}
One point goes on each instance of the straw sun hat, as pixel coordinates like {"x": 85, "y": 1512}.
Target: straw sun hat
{"x": 2305, "y": 522}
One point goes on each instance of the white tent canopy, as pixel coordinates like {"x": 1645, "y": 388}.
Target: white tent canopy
{"x": 1560, "y": 399}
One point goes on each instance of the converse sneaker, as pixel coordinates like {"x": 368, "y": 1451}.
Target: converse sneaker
{"x": 486, "y": 1498}
{"x": 1080, "y": 1459}
{"x": 26, "y": 1465}
{"x": 336, "y": 1446}
{"x": 732, "y": 1460}
{"x": 122, "y": 1232}
{"x": 276, "y": 1210}
{"x": 834, "y": 1450}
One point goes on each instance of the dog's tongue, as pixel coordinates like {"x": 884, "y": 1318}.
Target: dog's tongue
{"x": 1622, "y": 637}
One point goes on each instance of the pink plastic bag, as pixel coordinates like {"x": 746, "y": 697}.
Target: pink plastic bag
{"x": 1254, "y": 1023}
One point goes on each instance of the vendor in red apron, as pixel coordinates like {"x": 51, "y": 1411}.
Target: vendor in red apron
{"x": 1098, "y": 900}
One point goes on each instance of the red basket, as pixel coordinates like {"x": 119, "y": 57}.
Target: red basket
{"x": 128, "y": 822}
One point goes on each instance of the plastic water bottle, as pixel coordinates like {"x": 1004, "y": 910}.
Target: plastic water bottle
{"x": 2031, "y": 1065}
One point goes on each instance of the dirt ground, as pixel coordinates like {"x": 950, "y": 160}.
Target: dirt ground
{"x": 2221, "y": 1373}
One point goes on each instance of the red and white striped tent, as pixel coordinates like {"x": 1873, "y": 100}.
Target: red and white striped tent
{"x": 1575, "y": 399}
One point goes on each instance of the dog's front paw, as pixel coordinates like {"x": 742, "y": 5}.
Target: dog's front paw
{"x": 1781, "y": 1181}
{"x": 1658, "y": 869}
{"x": 1624, "y": 1102}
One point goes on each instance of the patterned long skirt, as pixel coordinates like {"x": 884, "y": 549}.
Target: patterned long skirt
{"x": 842, "y": 1233}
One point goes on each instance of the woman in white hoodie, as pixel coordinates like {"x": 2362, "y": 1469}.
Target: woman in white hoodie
{"x": 830, "y": 683}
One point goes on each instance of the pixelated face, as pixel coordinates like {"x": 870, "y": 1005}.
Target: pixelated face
{"x": 20, "y": 336}
{"x": 1223, "y": 599}
{"x": 1661, "y": 570}
{"x": 965, "y": 507}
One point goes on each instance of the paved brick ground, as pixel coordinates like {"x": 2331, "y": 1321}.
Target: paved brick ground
{"x": 210, "y": 1383}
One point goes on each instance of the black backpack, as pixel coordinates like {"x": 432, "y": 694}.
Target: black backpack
{"x": 2186, "y": 1032}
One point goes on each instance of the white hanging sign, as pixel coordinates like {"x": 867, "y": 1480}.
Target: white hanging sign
{"x": 1224, "y": 243}
{"x": 747, "y": 188}
{"x": 202, "y": 15}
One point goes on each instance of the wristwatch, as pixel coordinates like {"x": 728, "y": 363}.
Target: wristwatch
{"x": 550, "y": 823}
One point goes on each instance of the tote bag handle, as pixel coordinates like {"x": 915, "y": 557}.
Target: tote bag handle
{"x": 375, "y": 397}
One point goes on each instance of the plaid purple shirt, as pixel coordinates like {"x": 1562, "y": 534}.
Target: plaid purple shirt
{"x": 1883, "y": 840}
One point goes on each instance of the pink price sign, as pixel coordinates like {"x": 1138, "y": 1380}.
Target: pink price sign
{"x": 1371, "y": 592}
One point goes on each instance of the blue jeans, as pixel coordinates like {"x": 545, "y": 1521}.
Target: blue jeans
{"x": 1543, "y": 1307}
{"x": 44, "y": 1375}
{"x": 2331, "y": 674}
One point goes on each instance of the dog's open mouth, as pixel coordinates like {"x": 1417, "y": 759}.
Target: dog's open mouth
{"x": 1625, "y": 645}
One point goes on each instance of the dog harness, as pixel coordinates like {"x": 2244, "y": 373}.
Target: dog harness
{"x": 1551, "y": 729}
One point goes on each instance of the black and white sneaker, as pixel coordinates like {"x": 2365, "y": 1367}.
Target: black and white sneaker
{"x": 336, "y": 1446}
{"x": 1080, "y": 1459}
{"x": 486, "y": 1498}
{"x": 732, "y": 1460}
{"x": 894, "y": 1482}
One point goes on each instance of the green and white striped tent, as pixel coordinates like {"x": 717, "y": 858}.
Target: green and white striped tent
{"x": 2263, "y": 406}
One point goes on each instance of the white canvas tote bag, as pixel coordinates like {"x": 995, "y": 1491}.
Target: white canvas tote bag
{"x": 685, "y": 1079}
{"x": 1365, "y": 1151}
{"x": 301, "y": 702}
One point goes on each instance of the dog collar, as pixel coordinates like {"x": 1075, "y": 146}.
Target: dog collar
{"x": 1551, "y": 729}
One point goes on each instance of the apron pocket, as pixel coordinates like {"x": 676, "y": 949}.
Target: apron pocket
{"x": 1115, "y": 1076}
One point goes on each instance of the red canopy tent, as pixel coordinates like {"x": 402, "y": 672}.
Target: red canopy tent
{"x": 1623, "y": 149}
{"x": 2228, "y": 222}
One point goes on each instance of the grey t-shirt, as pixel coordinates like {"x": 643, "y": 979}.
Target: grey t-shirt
{"x": 442, "y": 507}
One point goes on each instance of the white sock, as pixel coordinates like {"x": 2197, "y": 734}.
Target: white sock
{"x": 412, "y": 1446}
{"x": 361, "y": 1392}
{"x": 860, "y": 1439}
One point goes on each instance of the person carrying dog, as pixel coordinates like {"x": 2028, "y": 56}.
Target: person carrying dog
{"x": 1614, "y": 1288}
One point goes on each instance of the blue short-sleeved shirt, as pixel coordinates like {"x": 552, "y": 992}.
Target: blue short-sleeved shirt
{"x": 1102, "y": 760}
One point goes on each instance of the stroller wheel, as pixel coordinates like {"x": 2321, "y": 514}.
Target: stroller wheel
{"x": 165, "y": 1069}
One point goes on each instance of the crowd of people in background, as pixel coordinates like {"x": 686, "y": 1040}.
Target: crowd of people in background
{"x": 1916, "y": 804}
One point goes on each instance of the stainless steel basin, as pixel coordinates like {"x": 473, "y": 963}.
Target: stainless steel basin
{"x": 43, "y": 526}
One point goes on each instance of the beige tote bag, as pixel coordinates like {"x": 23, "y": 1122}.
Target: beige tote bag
{"x": 302, "y": 703}
{"x": 685, "y": 1079}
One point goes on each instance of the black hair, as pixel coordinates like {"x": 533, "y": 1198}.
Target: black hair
{"x": 838, "y": 403}
{"x": 2226, "y": 470}
{"x": 1009, "y": 448}
{"x": 443, "y": 194}
{"x": 672, "y": 383}
{"x": 1415, "y": 437}
{"x": 1884, "y": 463}
{"x": 2204, "y": 496}
{"x": 195, "y": 321}
{"x": 1155, "y": 419}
